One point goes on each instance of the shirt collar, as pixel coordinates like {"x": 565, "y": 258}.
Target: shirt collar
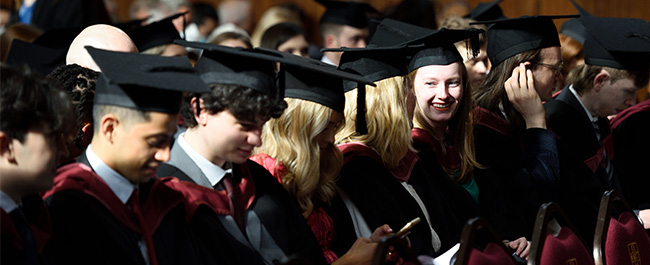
{"x": 327, "y": 60}
{"x": 592, "y": 118}
{"x": 121, "y": 187}
{"x": 213, "y": 172}
{"x": 6, "y": 203}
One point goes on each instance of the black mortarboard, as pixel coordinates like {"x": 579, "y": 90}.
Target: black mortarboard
{"x": 391, "y": 32}
{"x": 39, "y": 58}
{"x": 155, "y": 34}
{"x": 622, "y": 43}
{"x": 60, "y": 38}
{"x": 144, "y": 82}
{"x": 486, "y": 11}
{"x": 236, "y": 66}
{"x": 509, "y": 37}
{"x": 573, "y": 28}
{"x": 352, "y": 14}
{"x": 438, "y": 47}
{"x": 373, "y": 63}
{"x": 313, "y": 80}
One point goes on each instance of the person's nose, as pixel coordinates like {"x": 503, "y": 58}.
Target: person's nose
{"x": 163, "y": 154}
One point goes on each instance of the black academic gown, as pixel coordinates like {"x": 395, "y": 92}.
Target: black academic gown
{"x": 521, "y": 172}
{"x": 277, "y": 211}
{"x": 92, "y": 226}
{"x": 631, "y": 133}
{"x": 463, "y": 205}
{"x": 382, "y": 199}
{"x": 11, "y": 242}
{"x": 581, "y": 188}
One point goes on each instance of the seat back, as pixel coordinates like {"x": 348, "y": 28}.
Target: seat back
{"x": 495, "y": 252}
{"x": 619, "y": 238}
{"x": 566, "y": 247}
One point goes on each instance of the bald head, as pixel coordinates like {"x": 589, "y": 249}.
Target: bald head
{"x": 99, "y": 36}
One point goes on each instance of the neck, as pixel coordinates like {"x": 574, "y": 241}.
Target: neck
{"x": 11, "y": 192}
{"x": 194, "y": 138}
{"x": 587, "y": 98}
{"x": 335, "y": 57}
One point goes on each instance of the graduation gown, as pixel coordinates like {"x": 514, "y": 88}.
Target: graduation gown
{"x": 521, "y": 172}
{"x": 92, "y": 226}
{"x": 274, "y": 211}
{"x": 463, "y": 205}
{"x": 11, "y": 242}
{"x": 381, "y": 199}
{"x": 581, "y": 187}
{"x": 631, "y": 140}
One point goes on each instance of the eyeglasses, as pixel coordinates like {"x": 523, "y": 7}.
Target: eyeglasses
{"x": 556, "y": 68}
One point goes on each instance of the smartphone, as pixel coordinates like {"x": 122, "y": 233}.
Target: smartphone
{"x": 407, "y": 227}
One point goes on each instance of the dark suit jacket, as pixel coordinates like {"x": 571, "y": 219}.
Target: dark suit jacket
{"x": 278, "y": 212}
{"x": 581, "y": 189}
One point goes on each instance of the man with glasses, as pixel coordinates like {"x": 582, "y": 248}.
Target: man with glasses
{"x": 617, "y": 55}
{"x": 519, "y": 154}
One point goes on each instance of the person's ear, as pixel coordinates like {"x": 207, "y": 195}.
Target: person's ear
{"x": 87, "y": 134}
{"x": 331, "y": 41}
{"x": 108, "y": 127}
{"x": 200, "y": 114}
{"x": 600, "y": 79}
{"x": 6, "y": 148}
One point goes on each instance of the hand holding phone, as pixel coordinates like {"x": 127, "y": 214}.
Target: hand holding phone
{"x": 402, "y": 232}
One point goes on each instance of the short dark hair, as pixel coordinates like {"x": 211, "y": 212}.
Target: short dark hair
{"x": 243, "y": 102}
{"x": 201, "y": 11}
{"x": 79, "y": 82}
{"x": 280, "y": 33}
{"x": 27, "y": 99}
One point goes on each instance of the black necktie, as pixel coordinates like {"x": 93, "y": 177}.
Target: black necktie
{"x": 31, "y": 254}
{"x": 236, "y": 205}
{"x": 609, "y": 169}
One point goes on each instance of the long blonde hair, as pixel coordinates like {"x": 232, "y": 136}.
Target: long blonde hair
{"x": 389, "y": 128}
{"x": 292, "y": 139}
{"x": 461, "y": 127}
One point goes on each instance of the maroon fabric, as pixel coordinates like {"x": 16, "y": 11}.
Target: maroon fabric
{"x": 401, "y": 172}
{"x": 41, "y": 229}
{"x": 319, "y": 221}
{"x": 626, "y": 242}
{"x": 235, "y": 202}
{"x": 449, "y": 158}
{"x": 196, "y": 195}
{"x": 134, "y": 202}
{"x": 492, "y": 254}
{"x": 598, "y": 160}
{"x": 566, "y": 248}
{"x": 643, "y": 106}
{"x": 81, "y": 177}
{"x": 491, "y": 120}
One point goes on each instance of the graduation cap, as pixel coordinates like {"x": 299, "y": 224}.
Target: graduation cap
{"x": 155, "y": 34}
{"x": 573, "y": 28}
{"x": 319, "y": 82}
{"x": 392, "y": 32}
{"x": 622, "y": 43}
{"x": 236, "y": 66}
{"x": 438, "y": 47}
{"x": 144, "y": 82}
{"x": 486, "y": 11}
{"x": 352, "y": 14}
{"x": 39, "y": 58}
{"x": 60, "y": 38}
{"x": 509, "y": 37}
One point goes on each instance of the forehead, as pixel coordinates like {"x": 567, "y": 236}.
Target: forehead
{"x": 350, "y": 31}
{"x": 431, "y": 71}
{"x": 551, "y": 54}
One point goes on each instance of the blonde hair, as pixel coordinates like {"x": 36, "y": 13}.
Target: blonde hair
{"x": 389, "y": 129}
{"x": 273, "y": 16}
{"x": 292, "y": 139}
{"x": 461, "y": 127}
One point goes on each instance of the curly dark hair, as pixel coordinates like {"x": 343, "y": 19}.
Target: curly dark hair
{"x": 28, "y": 99}
{"x": 79, "y": 82}
{"x": 243, "y": 102}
